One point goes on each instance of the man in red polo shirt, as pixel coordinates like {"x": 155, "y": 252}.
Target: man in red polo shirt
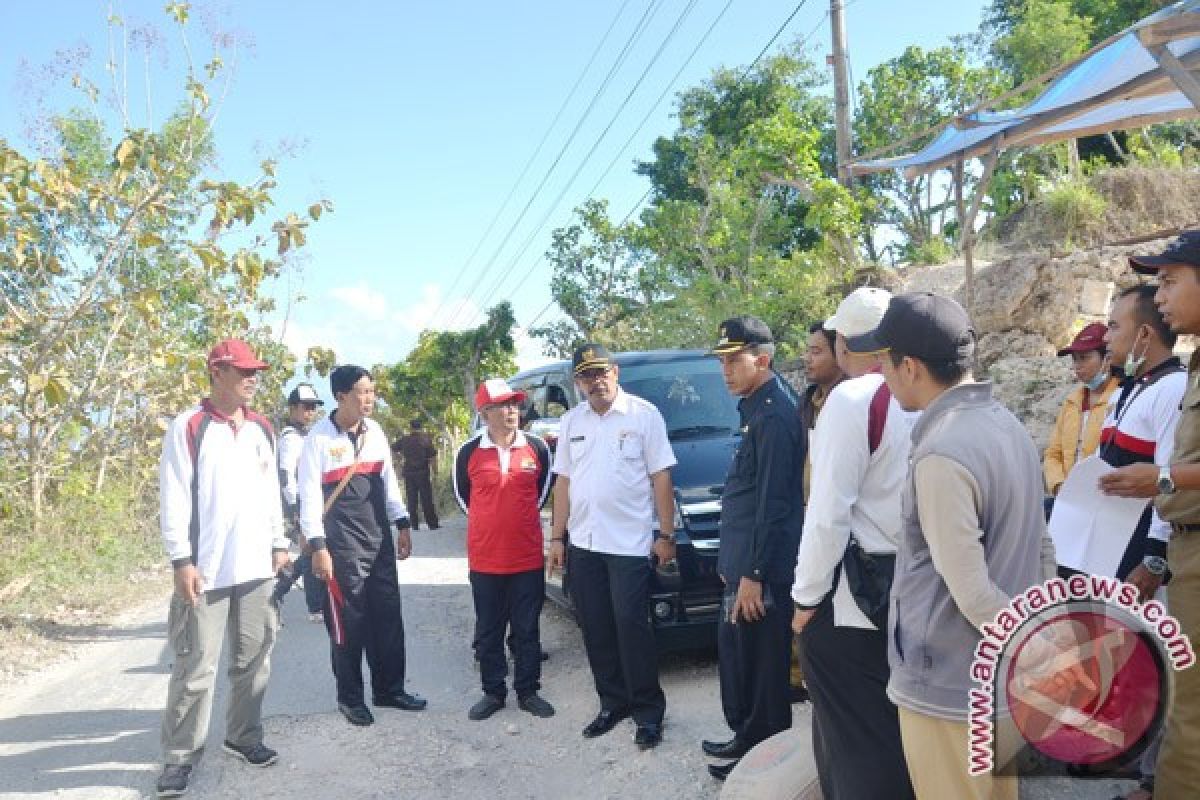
{"x": 501, "y": 479}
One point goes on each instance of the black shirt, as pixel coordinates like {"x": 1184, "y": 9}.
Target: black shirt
{"x": 762, "y": 508}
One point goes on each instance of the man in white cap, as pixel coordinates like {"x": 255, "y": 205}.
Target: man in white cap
{"x": 303, "y": 403}
{"x": 501, "y": 480}
{"x": 859, "y": 452}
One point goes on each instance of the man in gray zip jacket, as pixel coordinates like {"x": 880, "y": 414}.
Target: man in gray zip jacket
{"x": 973, "y": 536}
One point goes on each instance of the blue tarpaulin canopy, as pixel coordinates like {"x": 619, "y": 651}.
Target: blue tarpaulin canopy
{"x": 1140, "y": 76}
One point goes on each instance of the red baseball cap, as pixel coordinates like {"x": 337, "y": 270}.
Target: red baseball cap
{"x": 1089, "y": 339}
{"x": 235, "y": 353}
{"x": 496, "y": 390}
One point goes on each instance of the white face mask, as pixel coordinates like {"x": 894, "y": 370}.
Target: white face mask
{"x": 1097, "y": 380}
{"x": 1133, "y": 364}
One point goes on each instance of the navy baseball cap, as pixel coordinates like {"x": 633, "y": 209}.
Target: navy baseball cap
{"x": 1184, "y": 250}
{"x": 928, "y": 326}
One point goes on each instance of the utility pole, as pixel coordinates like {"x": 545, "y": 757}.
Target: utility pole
{"x": 841, "y": 89}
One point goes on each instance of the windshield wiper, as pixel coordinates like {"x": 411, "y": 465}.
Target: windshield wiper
{"x": 690, "y": 431}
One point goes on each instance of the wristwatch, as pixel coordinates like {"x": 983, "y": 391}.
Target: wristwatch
{"x": 1155, "y": 565}
{"x": 1165, "y": 484}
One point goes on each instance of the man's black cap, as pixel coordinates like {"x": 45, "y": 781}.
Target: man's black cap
{"x": 928, "y": 326}
{"x": 591, "y": 356}
{"x": 1185, "y": 249}
{"x": 738, "y": 332}
{"x": 304, "y": 393}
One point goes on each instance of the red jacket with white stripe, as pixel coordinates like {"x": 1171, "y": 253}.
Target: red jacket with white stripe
{"x": 503, "y": 502}
{"x": 370, "y": 503}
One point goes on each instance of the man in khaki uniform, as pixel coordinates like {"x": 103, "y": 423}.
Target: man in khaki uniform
{"x": 1176, "y": 490}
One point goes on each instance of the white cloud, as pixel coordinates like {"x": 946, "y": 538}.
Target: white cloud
{"x": 368, "y": 303}
{"x": 430, "y": 311}
{"x": 529, "y": 350}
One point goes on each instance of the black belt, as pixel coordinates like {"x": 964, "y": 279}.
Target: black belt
{"x": 1185, "y": 527}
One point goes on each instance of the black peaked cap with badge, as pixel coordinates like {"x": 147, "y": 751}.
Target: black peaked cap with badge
{"x": 924, "y": 325}
{"x": 737, "y": 332}
{"x": 591, "y": 356}
{"x": 1184, "y": 250}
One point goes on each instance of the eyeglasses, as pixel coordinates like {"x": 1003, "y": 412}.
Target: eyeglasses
{"x": 589, "y": 375}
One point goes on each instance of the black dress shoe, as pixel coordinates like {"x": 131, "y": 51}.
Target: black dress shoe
{"x": 734, "y": 748}
{"x": 401, "y": 700}
{"x": 721, "y": 771}
{"x": 489, "y": 704}
{"x": 356, "y": 715}
{"x": 604, "y": 722}
{"x": 797, "y": 694}
{"x": 648, "y": 735}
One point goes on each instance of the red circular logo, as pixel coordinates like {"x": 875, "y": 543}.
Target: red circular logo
{"x": 1085, "y": 687}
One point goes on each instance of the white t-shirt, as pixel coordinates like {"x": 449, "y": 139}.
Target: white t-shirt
{"x": 608, "y": 460}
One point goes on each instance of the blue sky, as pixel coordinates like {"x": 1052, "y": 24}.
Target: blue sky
{"x": 415, "y": 120}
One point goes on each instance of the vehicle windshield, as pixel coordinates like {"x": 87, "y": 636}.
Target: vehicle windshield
{"x": 690, "y": 394}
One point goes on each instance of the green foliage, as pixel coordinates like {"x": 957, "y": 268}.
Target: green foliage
{"x": 932, "y": 251}
{"x": 746, "y": 219}
{"x": 121, "y": 261}
{"x": 437, "y": 380}
{"x": 1045, "y": 34}
{"x": 900, "y": 98}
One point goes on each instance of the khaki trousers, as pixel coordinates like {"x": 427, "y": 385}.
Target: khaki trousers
{"x": 195, "y": 634}
{"x": 936, "y": 752}
{"x": 1178, "y": 774}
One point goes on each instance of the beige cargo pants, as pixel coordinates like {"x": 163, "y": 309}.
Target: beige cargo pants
{"x": 195, "y": 635}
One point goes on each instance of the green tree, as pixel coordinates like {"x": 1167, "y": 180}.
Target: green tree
{"x": 437, "y": 379}
{"x": 120, "y": 263}
{"x": 916, "y": 91}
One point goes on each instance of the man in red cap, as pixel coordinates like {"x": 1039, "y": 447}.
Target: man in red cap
{"x": 501, "y": 480}
{"x": 223, "y": 528}
{"x": 1076, "y": 433}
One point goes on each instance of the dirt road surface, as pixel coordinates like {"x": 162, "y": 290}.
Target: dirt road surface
{"x": 88, "y": 727}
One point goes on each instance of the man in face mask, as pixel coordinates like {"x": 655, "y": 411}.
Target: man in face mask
{"x": 1076, "y": 433}
{"x": 1140, "y": 424}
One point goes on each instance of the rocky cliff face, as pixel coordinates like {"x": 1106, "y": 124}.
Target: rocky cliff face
{"x": 1026, "y": 308}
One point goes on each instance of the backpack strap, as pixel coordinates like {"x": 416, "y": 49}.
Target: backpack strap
{"x": 877, "y": 416}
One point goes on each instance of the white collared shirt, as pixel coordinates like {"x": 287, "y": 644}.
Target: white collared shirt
{"x": 608, "y": 460}
{"x": 503, "y": 453}
{"x": 853, "y": 491}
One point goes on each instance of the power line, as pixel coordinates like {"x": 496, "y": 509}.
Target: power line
{"x": 649, "y": 113}
{"x": 778, "y": 32}
{"x": 536, "y": 152}
{"x": 495, "y": 286}
{"x": 638, "y": 30}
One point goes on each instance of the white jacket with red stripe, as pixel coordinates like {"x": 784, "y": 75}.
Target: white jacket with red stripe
{"x": 220, "y": 506}
{"x": 327, "y": 455}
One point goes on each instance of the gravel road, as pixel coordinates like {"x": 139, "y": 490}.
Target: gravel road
{"x": 87, "y": 727}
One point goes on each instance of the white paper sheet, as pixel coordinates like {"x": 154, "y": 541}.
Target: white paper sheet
{"x": 1091, "y": 530}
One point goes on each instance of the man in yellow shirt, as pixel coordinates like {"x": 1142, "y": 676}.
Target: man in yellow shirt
{"x": 1076, "y": 433}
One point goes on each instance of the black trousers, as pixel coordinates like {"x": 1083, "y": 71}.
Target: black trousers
{"x": 612, "y": 597}
{"x": 856, "y": 730}
{"x": 418, "y": 491}
{"x": 501, "y": 601}
{"x": 369, "y": 619}
{"x": 755, "y": 669}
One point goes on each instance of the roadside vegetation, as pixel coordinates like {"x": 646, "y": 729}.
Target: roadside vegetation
{"x": 123, "y": 257}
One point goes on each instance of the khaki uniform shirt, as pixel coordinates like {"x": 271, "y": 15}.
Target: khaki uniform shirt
{"x": 1183, "y": 507}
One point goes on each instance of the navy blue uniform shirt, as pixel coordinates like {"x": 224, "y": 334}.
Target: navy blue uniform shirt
{"x": 762, "y": 506}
